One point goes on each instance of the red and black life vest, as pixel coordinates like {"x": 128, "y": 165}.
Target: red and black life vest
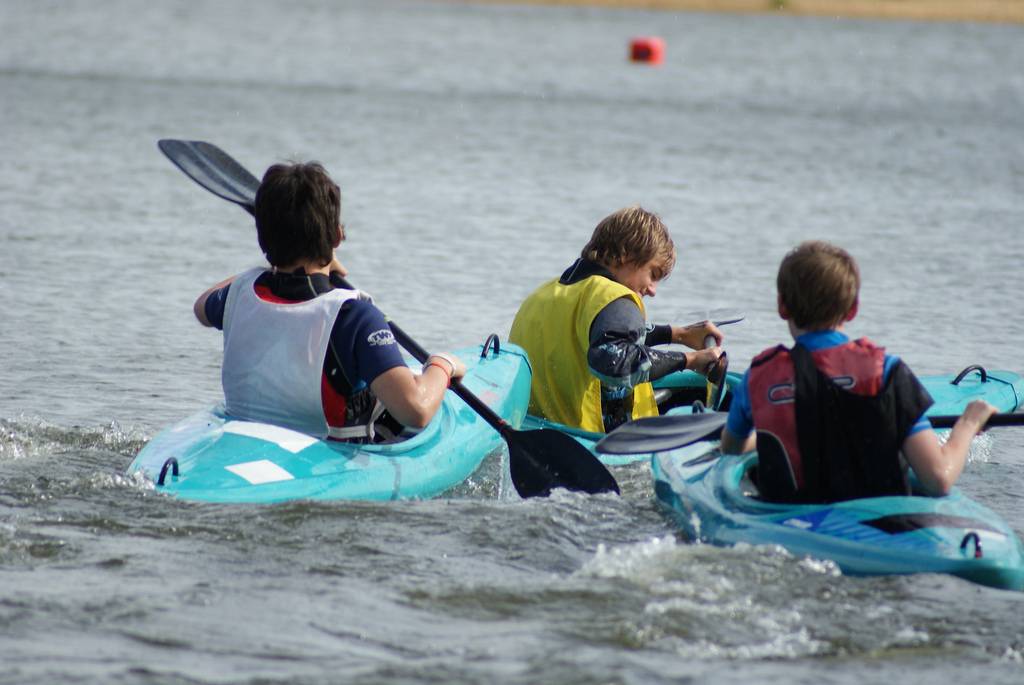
{"x": 828, "y": 429}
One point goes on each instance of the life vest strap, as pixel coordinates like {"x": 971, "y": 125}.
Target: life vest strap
{"x": 368, "y": 430}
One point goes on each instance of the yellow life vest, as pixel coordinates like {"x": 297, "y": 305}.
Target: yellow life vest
{"x": 553, "y": 326}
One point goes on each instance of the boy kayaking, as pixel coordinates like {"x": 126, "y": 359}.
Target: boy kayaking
{"x": 301, "y": 350}
{"x": 586, "y": 332}
{"x": 830, "y": 416}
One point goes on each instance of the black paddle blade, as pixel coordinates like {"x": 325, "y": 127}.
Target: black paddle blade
{"x": 545, "y": 459}
{"x": 213, "y": 169}
{"x": 660, "y": 433}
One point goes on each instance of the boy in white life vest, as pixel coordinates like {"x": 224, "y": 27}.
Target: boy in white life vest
{"x": 831, "y": 416}
{"x": 587, "y": 336}
{"x": 301, "y": 350}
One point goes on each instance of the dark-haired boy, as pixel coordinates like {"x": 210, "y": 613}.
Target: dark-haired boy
{"x": 300, "y": 350}
{"x": 830, "y": 417}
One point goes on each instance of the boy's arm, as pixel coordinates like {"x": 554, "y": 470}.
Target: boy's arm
{"x": 738, "y": 436}
{"x": 199, "y": 308}
{"x": 694, "y": 335}
{"x": 413, "y": 399}
{"x": 734, "y": 445}
{"x": 938, "y": 466}
{"x": 620, "y": 352}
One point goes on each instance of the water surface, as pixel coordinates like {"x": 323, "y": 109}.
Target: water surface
{"x": 476, "y": 148}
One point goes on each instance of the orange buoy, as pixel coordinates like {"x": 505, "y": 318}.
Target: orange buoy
{"x": 647, "y": 49}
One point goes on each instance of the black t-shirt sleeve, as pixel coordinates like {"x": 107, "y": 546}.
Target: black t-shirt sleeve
{"x": 659, "y": 335}
{"x": 912, "y": 399}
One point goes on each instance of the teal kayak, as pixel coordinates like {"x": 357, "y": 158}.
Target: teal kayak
{"x": 678, "y": 392}
{"x": 952, "y": 393}
{"x": 212, "y": 457}
{"x": 712, "y": 499}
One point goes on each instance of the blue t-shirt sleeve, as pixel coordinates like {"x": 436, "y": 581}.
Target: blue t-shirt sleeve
{"x": 741, "y": 417}
{"x": 214, "y": 307}
{"x": 364, "y": 343}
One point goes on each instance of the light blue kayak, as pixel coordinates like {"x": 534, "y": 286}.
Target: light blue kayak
{"x": 212, "y": 457}
{"x": 713, "y": 500}
{"x": 952, "y": 393}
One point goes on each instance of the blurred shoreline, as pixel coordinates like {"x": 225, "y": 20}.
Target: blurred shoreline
{"x": 1009, "y": 11}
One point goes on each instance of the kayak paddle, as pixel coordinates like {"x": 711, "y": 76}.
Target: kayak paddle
{"x": 720, "y": 316}
{"x": 539, "y": 460}
{"x": 716, "y": 375}
{"x": 660, "y": 433}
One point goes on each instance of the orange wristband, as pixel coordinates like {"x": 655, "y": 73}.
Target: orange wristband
{"x": 443, "y": 370}
{"x": 449, "y": 360}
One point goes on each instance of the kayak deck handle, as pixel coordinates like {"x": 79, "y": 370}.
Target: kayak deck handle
{"x": 977, "y": 544}
{"x": 973, "y": 367}
{"x": 171, "y": 464}
{"x": 491, "y": 341}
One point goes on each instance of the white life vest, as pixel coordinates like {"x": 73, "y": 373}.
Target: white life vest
{"x": 274, "y": 356}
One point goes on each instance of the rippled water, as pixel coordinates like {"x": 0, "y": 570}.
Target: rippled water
{"x": 476, "y": 148}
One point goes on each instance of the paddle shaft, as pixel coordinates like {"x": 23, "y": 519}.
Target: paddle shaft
{"x": 995, "y": 421}
{"x": 716, "y": 390}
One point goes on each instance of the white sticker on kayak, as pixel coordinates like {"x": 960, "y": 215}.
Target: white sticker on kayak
{"x": 258, "y": 472}
{"x": 293, "y": 441}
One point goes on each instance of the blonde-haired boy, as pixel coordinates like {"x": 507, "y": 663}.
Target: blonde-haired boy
{"x": 587, "y": 336}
